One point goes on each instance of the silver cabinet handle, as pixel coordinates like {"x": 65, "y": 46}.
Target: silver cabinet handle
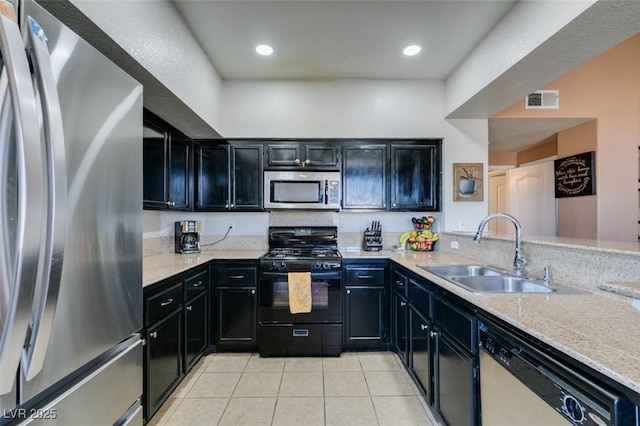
{"x": 198, "y": 284}
{"x": 306, "y": 162}
{"x": 189, "y": 308}
{"x": 348, "y": 291}
{"x": 297, "y": 161}
{"x": 402, "y": 304}
{"x": 399, "y": 282}
{"x": 153, "y": 335}
{"x": 423, "y": 327}
{"x": 365, "y": 277}
{"x": 170, "y": 203}
{"x": 236, "y": 277}
{"x": 253, "y": 292}
{"x": 166, "y": 302}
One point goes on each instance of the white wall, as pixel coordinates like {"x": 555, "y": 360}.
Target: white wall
{"x": 155, "y": 35}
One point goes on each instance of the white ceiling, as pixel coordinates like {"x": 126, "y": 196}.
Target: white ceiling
{"x": 328, "y": 39}
{"x": 317, "y": 39}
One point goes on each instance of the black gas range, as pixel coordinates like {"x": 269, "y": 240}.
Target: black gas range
{"x": 318, "y": 333}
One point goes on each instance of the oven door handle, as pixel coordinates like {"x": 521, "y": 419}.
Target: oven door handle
{"x": 314, "y": 275}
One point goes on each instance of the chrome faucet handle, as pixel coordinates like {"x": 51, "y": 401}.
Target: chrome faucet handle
{"x": 547, "y": 274}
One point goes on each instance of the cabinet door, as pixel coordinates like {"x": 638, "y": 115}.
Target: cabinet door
{"x": 364, "y": 177}
{"x": 320, "y": 155}
{"x": 400, "y": 313}
{"x": 154, "y": 154}
{"x": 236, "y": 309}
{"x": 163, "y": 360}
{"x": 196, "y": 329}
{"x": 420, "y": 352}
{"x": 212, "y": 177}
{"x": 180, "y": 174}
{"x": 284, "y": 155}
{"x": 415, "y": 172}
{"x": 365, "y": 317}
{"x": 246, "y": 186}
{"x": 455, "y": 383}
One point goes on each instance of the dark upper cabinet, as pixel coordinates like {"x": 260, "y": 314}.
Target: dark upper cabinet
{"x": 167, "y": 170}
{"x": 415, "y": 176}
{"x": 294, "y": 155}
{"x": 364, "y": 176}
{"x": 228, "y": 176}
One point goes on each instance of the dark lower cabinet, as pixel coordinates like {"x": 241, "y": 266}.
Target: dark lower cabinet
{"x": 237, "y": 322}
{"x": 421, "y": 352}
{"x": 455, "y": 382}
{"x": 196, "y": 329}
{"x": 163, "y": 360}
{"x": 364, "y": 317}
{"x": 176, "y": 315}
{"x": 366, "y": 305}
{"x": 236, "y": 306}
{"x": 400, "y": 319}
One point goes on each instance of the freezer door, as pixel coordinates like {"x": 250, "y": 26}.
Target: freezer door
{"x": 109, "y": 394}
{"x": 100, "y": 294}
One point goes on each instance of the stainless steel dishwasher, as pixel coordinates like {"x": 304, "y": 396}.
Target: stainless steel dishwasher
{"x": 522, "y": 386}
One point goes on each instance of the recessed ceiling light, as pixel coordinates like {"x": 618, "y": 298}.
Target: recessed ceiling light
{"x": 264, "y": 49}
{"x": 414, "y": 49}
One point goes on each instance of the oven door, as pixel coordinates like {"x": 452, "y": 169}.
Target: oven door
{"x": 326, "y": 299}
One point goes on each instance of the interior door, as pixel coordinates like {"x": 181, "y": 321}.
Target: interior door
{"x": 532, "y": 198}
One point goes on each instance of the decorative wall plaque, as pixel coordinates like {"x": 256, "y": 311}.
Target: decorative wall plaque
{"x": 575, "y": 175}
{"x": 467, "y": 182}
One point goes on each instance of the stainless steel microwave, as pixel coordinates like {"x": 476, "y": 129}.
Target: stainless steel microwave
{"x": 301, "y": 190}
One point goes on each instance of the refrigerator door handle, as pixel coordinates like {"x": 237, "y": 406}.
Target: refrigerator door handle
{"x": 53, "y": 239}
{"x": 30, "y": 193}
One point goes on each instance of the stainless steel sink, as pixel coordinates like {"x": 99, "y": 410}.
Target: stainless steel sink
{"x": 502, "y": 284}
{"x": 463, "y": 270}
{"x": 488, "y": 279}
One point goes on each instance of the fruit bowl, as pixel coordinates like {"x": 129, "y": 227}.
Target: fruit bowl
{"x": 422, "y": 246}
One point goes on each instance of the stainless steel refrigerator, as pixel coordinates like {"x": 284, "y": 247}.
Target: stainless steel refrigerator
{"x": 70, "y": 229}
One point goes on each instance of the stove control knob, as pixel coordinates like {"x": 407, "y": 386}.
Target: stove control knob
{"x": 273, "y": 266}
{"x": 325, "y": 265}
{"x": 317, "y": 265}
{"x": 283, "y": 265}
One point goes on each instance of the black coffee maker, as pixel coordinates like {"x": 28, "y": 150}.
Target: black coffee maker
{"x": 187, "y": 236}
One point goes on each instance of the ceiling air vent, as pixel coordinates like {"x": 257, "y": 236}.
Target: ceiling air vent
{"x": 542, "y": 99}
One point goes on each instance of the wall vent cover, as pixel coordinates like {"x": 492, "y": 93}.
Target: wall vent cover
{"x": 543, "y": 99}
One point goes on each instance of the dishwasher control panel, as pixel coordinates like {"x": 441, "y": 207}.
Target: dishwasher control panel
{"x": 582, "y": 400}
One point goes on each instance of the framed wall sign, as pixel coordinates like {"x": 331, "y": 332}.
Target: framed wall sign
{"x": 575, "y": 176}
{"x": 467, "y": 182}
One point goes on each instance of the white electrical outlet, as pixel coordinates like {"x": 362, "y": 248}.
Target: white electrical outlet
{"x": 462, "y": 225}
{"x": 232, "y": 224}
{"x": 454, "y": 245}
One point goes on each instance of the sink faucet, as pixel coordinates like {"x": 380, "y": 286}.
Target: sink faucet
{"x": 519, "y": 261}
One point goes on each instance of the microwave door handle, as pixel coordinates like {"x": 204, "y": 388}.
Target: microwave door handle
{"x": 30, "y": 194}
{"x": 326, "y": 192}
{"x": 52, "y": 248}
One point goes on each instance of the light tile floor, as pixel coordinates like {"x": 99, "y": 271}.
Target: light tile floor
{"x": 365, "y": 388}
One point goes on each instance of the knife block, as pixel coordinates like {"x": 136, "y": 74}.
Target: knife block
{"x": 372, "y": 240}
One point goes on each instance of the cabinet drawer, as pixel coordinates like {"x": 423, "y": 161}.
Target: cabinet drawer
{"x": 419, "y": 297}
{"x": 196, "y": 284}
{"x": 365, "y": 276}
{"x": 163, "y": 303}
{"x": 400, "y": 283}
{"x": 459, "y": 324}
{"x": 240, "y": 276}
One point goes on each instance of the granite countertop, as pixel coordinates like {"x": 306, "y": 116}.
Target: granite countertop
{"x": 158, "y": 267}
{"x": 598, "y": 328}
